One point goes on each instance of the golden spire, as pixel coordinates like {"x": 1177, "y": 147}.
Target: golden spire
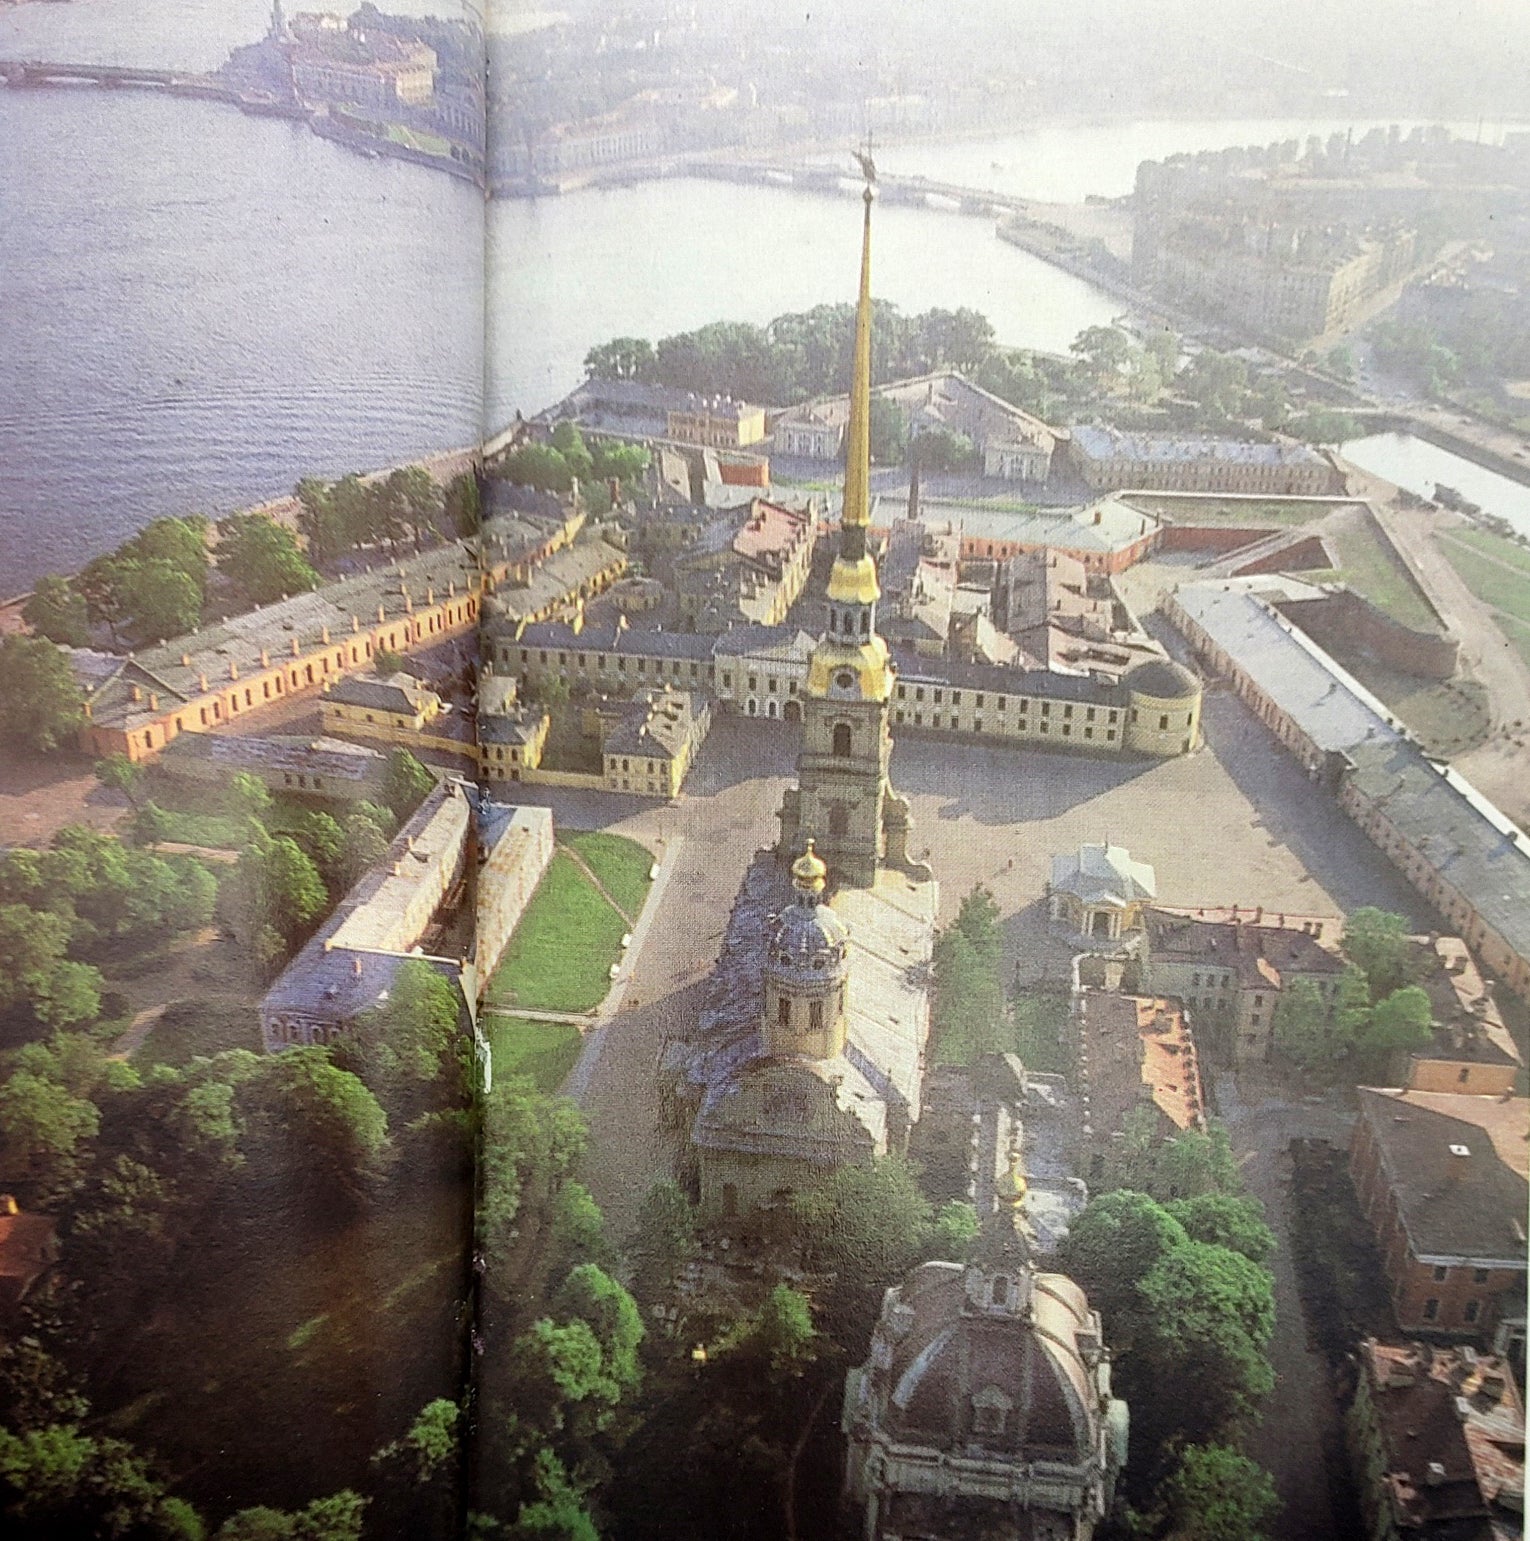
{"x": 858, "y": 441}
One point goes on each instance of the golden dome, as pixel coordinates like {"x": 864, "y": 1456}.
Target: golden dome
{"x": 809, "y": 872}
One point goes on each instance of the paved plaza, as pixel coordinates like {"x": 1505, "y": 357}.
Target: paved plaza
{"x": 1237, "y": 822}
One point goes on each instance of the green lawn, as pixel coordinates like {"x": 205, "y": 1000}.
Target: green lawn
{"x": 1509, "y": 551}
{"x": 1039, "y": 1023}
{"x": 621, "y": 864}
{"x": 1369, "y": 567}
{"x": 1236, "y": 513}
{"x": 198, "y": 1029}
{"x": 220, "y": 831}
{"x": 1505, "y": 588}
{"x": 545, "y": 1051}
{"x": 561, "y": 954}
{"x": 1518, "y": 632}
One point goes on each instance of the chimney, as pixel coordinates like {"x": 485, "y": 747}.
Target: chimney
{"x": 381, "y": 614}
{"x": 135, "y": 694}
{"x": 201, "y": 682}
{"x": 153, "y": 701}
{"x": 1460, "y": 1159}
{"x": 1434, "y": 1474}
{"x": 233, "y": 669}
{"x": 324, "y": 635}
{"x": 356, "y": 968}
{"x": 185, "y": 660}
{"x": 355, "y": 623}
{"x": 296, "y": 648}
{"x": 265, "y": 658}
{"x": 8, "y": 1204}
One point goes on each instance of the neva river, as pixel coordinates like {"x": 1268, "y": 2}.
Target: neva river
{"x": 201, "y": 307}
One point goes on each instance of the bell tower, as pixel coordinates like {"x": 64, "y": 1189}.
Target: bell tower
{"x": 843, "y": 799}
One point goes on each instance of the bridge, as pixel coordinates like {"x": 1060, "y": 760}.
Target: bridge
{"x": 922, "y": 191}
{"x": 23, "y": 73}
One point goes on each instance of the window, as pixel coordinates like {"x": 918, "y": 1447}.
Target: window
{"x": 815, "y": 1016}
{"x": 842, "y": 739}
{"x": 1479, "y": 1276}
{"x": 1431, "y": 1309}
{"x": 1441, "y": 1273}
{"x": 783, "y": 1012}
{"x": 1471, "y": 1311}
{"x": 1163, "y": 721}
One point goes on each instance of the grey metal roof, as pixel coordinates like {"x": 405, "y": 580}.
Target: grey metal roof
{"x": 1329, "y": 706}
{"x": 1464, "y": 838}
{"x": 1101, "y": 443}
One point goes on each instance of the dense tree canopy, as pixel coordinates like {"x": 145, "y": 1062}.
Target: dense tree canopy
{"x": 261, "y": 558}
{"x": 56, "y": 610}
{"x": 41, "y": 705}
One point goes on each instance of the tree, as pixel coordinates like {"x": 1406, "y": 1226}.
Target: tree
{"x": 954, "y": 1231}
{"x": 569, "y": 443}
{"x": 624, "y": 463}
{"x": 322, "y": 1123}
{"x": 56, "y": 610}
{"x": 1307, "y": 1031}
{"x": 366, "y": 843}
{"x": 1216, "y": 382}
{"x": 1218, "y": 1494}
{"x": 1204, "y": 1319}
{"x": 462, "y": 505}
{"x": 180, "y": 542}
{"x": 249, "y": 798}
{"x": 406, "y": 783}
{"x": 782, "y": 1333}
{"x": 1162, "y": 346}
{"x": 1114, "y": 1243}
{"x": 868, "y": 1223}
{"x": 1398, "y": 1023}
{"x": 623, "y": 358}
{"x": 590, "y": 1295}
{"x": 663, "y": 1241}
{"x": 42, "y": 704}
{"x": 58, "y": 1481}
{"x": 100, "y": 585}
{"x": 319, "y": 521}
{"x": 1106, "y": 350}
{"x": 1376, "y": 942}
{"x": 1324, "y": 427}
{"x": 119, "y": 774}
{"x": 336, "y": 1518}
{"x": 262, "y": 560}
{"x": 889, "y": 431}
{"x": 411, "y": 1036}
{"x": 160, "y": 599}
{"x": 418, "y": 499}
{"x": 432, "y": 1445}
{"x": 536, "y": 465}
{"x": 1226, "y": 1221}
{"x": 43, "y": 1128}
{"x": 279, "y": 885}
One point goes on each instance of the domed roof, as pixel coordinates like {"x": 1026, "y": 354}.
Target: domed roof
{"x": 1162, "y": 679}
{"x": 808, "y": 938}
{"x": 1012, "y": 1381}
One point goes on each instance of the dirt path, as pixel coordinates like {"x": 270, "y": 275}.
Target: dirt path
{"x": 137, "y": 1030}
{"x": 600, "y": 888}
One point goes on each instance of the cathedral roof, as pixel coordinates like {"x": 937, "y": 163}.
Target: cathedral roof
{"x": 1011, "y": 1379}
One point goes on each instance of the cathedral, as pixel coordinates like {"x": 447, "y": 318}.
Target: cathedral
{"x": 809, "y": 1054}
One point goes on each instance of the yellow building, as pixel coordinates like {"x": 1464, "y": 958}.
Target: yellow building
{"x": 1164, "y": 708}
{"x": 396, "y": 710}
{"x": 719, "y": 422}
{"x": 653, "y": 740}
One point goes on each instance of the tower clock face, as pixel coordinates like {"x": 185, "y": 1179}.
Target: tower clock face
{"x": 845, "y": 680}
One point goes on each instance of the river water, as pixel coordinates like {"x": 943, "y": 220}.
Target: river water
{"x": 200, "y": 307}
{"x": 1418, "y": 465}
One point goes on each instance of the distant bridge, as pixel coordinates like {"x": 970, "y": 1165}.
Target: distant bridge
{"x": 21, "y": 73}
{"x": 893, "y": 189}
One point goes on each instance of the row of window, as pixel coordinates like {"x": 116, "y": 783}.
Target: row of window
{"x": 1023, "y": 704}
{"x": 1044, "y": 725}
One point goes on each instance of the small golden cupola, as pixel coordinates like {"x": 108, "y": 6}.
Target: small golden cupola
{"x": 806, "y": 963}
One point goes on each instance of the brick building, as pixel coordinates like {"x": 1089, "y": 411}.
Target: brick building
{"x": 1441, "y": 1176}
